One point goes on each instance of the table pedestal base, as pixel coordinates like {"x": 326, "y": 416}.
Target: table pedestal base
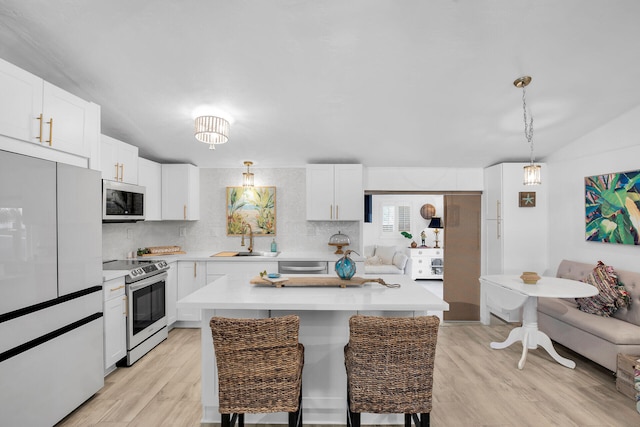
{"x": 531, "y": 337}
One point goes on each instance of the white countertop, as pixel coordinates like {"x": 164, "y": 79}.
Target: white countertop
{"x": 224, "y": 293}
{"x": 207, "y": 256}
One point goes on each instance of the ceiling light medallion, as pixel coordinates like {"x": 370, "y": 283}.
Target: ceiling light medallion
{"x": 212, "y": 130}
{"x": 531, "y": 171}
{"x": 247, "y": 177}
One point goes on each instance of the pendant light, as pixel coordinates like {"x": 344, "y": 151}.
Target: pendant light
{"x": 531, "y": 171}
{"x": 247, "y": 177}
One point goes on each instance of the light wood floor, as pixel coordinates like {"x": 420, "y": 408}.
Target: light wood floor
{"x": 473, "y": 386}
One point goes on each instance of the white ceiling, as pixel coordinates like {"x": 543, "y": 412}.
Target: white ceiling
{"x": 378, "y": 82}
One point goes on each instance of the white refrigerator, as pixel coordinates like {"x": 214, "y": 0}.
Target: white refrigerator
{"x": 51, "y": 334}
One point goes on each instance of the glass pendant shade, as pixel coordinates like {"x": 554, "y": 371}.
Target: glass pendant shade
{"x": 247, "y": 177}
{"x": 532, "y": 175}
{"x": 211, "y": 130}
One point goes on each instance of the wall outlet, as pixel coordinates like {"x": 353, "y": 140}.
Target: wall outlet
{"x": 129, "y": 233}
{"x": 183, "y": 231}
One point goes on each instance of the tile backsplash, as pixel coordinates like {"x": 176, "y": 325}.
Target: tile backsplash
{"x": 293, "y": 231}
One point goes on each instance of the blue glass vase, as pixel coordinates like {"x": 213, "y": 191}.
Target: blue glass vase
{"x": 345, "y": 266}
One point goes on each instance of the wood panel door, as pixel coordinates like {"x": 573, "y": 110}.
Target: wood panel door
{"x": 462, "y": 256}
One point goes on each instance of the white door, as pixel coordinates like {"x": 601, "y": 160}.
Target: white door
{"x": 65, "y": 117}
{"x": 320, "y": 200}
{"x": 20, "y": 103}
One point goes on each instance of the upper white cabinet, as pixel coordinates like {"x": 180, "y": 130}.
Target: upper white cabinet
{"x": 36, "y": 111}
{"x": 150, "y": 177}
{"x": 119, "y": 160}
{"x": 180, "y": 192}
{"x": 334, "y": 192}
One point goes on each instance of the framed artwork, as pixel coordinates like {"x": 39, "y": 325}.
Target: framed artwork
{"x": 527, "y": 199}
{"x": 612, "y": 208}
{"x": 254, "y": 207}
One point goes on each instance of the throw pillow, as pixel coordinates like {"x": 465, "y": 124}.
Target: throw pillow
{"x": 369, "y": 251}
{"x": 612, "y": 294}
{"x": 373, "y": 260}
{"x": 400, "y": 260}
{"x": 386, "y": 253}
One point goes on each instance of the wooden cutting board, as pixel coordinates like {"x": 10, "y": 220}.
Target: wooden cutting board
{"x": 302, "y": 281}
{"x": 225, "y": 254}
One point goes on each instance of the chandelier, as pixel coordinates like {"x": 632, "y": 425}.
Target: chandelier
{"x": 212, "y": 130}
{"x": 531, "y": 171}
{"x": 247, "y": 177}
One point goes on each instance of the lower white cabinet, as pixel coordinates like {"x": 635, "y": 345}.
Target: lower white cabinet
{"x": 171, "y": 296}
{"x": 427, "y": 263}
{"x": 192, "y": 275}
{"x": 115, "y": 322}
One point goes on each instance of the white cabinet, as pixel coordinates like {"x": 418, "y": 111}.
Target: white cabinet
{"x": 119, "y": 160}
{"x": 427, "y": 263}
{"x": 515, "y": 237}
{"x": 171, "y": 295}
{"x": 334, "y": 192}
{"x": 115, "y": 322}
{"x": 192, "y": 275}
{"x": 239, "y": 270}
{"x": 36, "y": 111}
{"x": 180, "y": 192}
{"x": 150, "y": 177}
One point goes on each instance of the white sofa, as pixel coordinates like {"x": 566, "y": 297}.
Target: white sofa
{"x": 381, "y": 259}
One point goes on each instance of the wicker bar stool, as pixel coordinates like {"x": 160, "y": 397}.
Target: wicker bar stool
{"x": 389, "y": 364}
{"x": 259, "y": 367}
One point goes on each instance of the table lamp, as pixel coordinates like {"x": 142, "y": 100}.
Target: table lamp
{"x": 436, "y": 224}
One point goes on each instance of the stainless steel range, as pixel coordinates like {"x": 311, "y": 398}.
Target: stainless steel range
{"x": 146, "y": 302}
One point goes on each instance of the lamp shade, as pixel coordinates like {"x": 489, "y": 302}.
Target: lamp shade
{"x": 436, "y": 222}
{"x": 211, "y": 130}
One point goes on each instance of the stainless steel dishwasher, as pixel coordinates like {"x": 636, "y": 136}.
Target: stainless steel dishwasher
{"x": 302, "y": 267}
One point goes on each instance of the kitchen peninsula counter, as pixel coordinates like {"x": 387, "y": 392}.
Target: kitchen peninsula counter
{"x": 324, "y": 330}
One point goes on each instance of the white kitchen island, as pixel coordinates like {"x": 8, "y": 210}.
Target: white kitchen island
{"x": 324, "y": 330}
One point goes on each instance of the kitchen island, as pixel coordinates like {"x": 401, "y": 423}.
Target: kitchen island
{"x": 324, "y": 330}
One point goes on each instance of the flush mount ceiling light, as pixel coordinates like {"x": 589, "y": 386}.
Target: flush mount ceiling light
{"x": 247, "y": 177}
{"x": 212, "y": 130}
{"x": 531, "y": 171}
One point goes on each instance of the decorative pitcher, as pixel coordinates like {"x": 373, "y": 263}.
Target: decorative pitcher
{"x": 345, "y": 266}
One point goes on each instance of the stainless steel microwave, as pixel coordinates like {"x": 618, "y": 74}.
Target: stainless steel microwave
{"x": 122, "y": 202}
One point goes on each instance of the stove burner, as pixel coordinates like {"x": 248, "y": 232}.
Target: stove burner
{"x": 138, "y": 269}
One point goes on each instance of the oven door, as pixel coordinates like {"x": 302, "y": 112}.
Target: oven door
{"x": 147, "y": 308}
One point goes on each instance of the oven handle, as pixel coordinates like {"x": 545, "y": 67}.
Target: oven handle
{"x": 148, "y": 281}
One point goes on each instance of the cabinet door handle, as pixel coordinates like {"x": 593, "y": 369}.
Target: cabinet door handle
{"x": 497, "y": 209}
{"x": 126, "y": 306}
{"x": 184, "y": 211}
{"x": 39, "y": 137}
{"x": 330, "y": 211}
{"x": 195, "y": 274}
{"x": 121, "y": 172}
{"x": 50, "y": 123}
{"x": 115, "y": 289}
{"x": 116, "y": 177}
{"x": 337, "y": 212}
{"x": 498, "y": 221}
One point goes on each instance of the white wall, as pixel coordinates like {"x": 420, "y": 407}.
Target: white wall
{"x": 371, "y": 231}
{"x": 423, "y": 179}
{"x": 615, "y": 147}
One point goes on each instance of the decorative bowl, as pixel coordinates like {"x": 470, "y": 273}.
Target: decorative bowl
{"x": 273, "y": 275}
{"x": 530, "y": 277}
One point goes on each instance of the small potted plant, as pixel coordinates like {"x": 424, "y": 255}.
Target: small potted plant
{"x": 410, "y": 237}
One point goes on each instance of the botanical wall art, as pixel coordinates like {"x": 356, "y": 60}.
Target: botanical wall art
{"x": 612, "y": 208}
{"x": 251, "y": 206}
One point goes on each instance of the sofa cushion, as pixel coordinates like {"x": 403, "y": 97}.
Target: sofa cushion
{"x": 386, "y": 253}
{"x": 611, "y": 296}
{"x": 369, "y": 251}
{"x": 608, "y": 328}
{"x": 382, "y": 269}
{"x": 373, "y": 260}
{"x": 400, "y": 260}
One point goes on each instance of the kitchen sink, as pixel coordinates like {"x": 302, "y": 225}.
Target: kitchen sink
{"x": 258, "y": 253}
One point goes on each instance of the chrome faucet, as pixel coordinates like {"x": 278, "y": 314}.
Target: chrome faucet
{"x": 250, "y": 248}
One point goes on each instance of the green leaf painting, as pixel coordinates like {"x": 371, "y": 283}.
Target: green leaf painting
{"x": 254, "y": 206}
{"x": 612, "y": 208}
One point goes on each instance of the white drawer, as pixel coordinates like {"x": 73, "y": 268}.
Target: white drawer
{"x": 113, "y": 288}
